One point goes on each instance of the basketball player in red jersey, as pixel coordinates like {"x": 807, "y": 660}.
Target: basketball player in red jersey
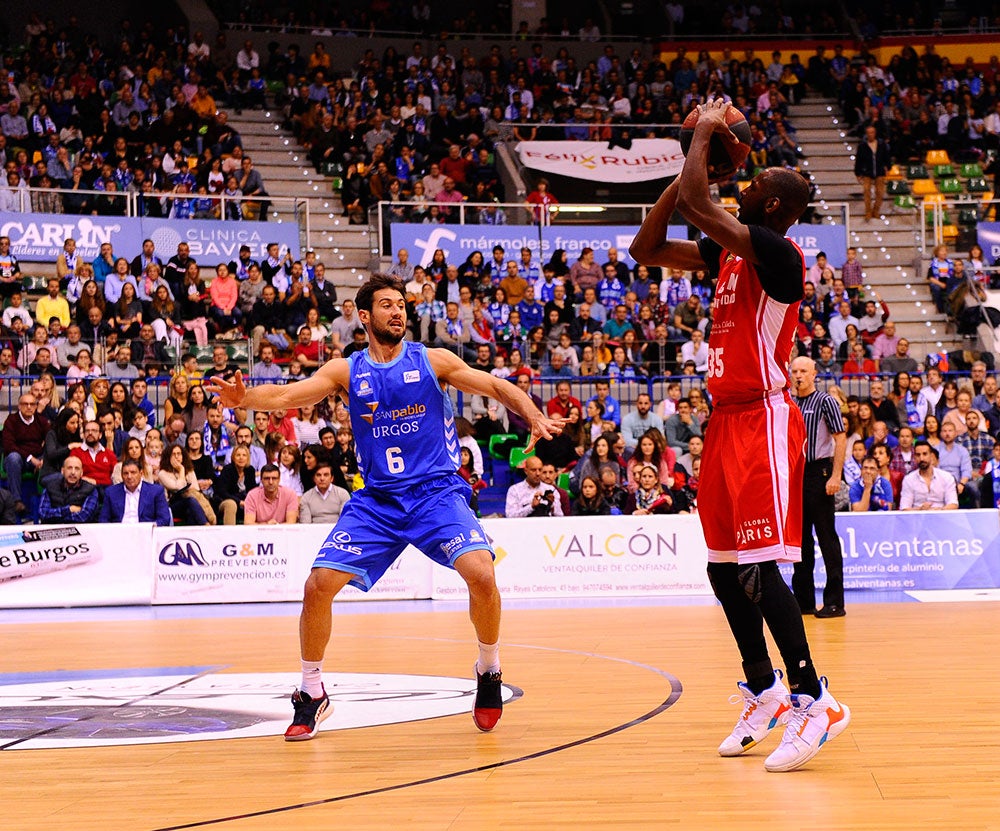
{"x": 750, "y": 494}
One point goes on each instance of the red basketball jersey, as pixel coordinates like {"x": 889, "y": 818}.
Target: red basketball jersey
{"x": 752, "y": 335}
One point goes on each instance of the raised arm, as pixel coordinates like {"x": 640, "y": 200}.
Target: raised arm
{"x": 693, "y": 198}
{"x": 332, "y": 377}
{"x": 651, "y": 246}
{"x": 451, "y": 369}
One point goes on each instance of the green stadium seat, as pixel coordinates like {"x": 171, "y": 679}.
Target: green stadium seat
{"x": 34, "y": 283}
{"x": 968, "y": 216}
{"x": 906, "y": 202}
{"x": 331, "y": 169}
{"x": 950, "y": 186}
{"x": 916, "y": 171}
{"x": 944, "y": 171}
{"x": 977, "y": 184}
{"x": 518, "y": 457}
{"x": 171, "y": 352}
{"x": 898, "y": 187}
{"x": 238, "y": 351}
{"x": 202, "y": 353}
{"x": 562, "y": 481}
{"x": 970, "y": 171}
{"x": 501, "y": 444}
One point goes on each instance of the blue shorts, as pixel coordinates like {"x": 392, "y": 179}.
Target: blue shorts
{"x": 375, "y": 527}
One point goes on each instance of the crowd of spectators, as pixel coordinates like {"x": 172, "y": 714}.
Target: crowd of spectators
{"x": 96, "y": 455}
{"x": 420, "y": 129}
{"x": 91, "y": 122}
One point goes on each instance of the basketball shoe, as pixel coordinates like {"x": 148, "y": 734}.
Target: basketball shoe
{"x": 812, "y": 722}
{"x": 761, "y": 714}
{"x": 488, "y": 707}
{"x": 309, "y": 713}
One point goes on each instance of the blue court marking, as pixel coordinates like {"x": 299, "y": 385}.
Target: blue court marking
{"x": 8, "y": 678}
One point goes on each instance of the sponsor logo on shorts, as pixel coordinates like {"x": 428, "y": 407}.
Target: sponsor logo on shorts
{"x": 340, "y": 541}
{"x": 453, "y": 545}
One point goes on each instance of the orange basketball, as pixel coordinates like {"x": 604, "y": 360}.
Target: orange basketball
{"x": 724, "y": 157}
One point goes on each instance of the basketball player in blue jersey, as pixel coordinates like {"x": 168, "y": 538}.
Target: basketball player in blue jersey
{"x": 407, "y": 447}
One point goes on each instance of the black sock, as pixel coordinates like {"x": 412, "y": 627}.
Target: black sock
{"x": 746, "y": 624}
{"x": 784, "y": 619}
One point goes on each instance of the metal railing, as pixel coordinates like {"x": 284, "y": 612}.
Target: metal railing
{"x": 33, "y": 200}
{"x": 942, "y": 219}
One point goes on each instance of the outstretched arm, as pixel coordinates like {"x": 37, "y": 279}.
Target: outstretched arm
{"x": 450, "y": 368}
{"x": 693, "y": 198}
{"x": 332, "y": 377}
{"x": 651, "y": 246}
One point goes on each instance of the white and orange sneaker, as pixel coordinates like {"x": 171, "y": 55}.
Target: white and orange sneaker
{"x": 761, "y": 714}
{"x": 811, "y": 724}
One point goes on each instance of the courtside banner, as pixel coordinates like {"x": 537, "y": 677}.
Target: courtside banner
{"x": 40, "y": 237}
{"x": 459, "y": 241}
{"x": 614, "y": 556}
{"x": 75, "y": 565}
{"x": 917, "y": 550}
{"x": 645, "y": 160}
{"x": 261, "y": 563}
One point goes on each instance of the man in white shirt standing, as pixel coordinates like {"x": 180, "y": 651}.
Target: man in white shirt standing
{"x": 532, "y": 497}
{"x": 928, "y": 488}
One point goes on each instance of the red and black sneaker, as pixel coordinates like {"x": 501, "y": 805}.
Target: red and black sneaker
{"x": 309, "y": 713}
{"x": 488, "y": 708}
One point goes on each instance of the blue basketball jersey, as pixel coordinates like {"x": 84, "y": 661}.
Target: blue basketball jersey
{"x": 404, "y": 426}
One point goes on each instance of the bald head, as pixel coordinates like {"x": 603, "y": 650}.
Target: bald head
{"x": 803, "y": 376}
{"x": 793, "y": 191}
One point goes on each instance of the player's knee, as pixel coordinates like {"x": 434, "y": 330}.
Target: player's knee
{"x": 478, "y": 575}
{"x": 323, "y": 584}
{"x": 750, "y": 581}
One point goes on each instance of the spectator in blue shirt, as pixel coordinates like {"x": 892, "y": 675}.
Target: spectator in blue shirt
{"x": 955, "y": 459}
{"x": 266, "y": 369}
{"x": 532, "y": 312}
{"x": 67, "y": 498}
{"x": 871, "y": 492}
{"x": 610, "y": 289}
{"x": 612, "y": 409}
{"x": 619, "y": 324}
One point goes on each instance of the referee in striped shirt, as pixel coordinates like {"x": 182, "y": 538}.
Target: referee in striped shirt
{"x": 825, "y": 450}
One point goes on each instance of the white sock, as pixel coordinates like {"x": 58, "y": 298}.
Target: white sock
{"x": 489, "y": 658}
{"x": 312, "y": 678}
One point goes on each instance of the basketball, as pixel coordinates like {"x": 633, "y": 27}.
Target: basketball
{"x": 724, "y": 157}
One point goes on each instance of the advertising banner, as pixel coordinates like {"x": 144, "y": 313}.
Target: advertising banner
{"x": 40, "y": 237}
{"x": 260, "y": 563}
{"x": 614, "y": 556}
{"x": 646, "y": 159}
{"x": 917, "y": 550}
{"x": 75, "y": 565}
{"x": 988, "y": 237}
{"x": 458, "y": 241}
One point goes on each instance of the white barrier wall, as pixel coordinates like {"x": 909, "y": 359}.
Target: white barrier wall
{"x": 76, "y": 565}
{"x": 620, "y": 556}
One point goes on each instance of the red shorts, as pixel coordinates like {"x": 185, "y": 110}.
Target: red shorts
{"x": 750, "y": 491}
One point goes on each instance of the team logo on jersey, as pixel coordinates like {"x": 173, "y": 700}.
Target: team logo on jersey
{"x": 369, "y": 417}
{"x": 364, "y": 388}
{"x": 411, "y": 376}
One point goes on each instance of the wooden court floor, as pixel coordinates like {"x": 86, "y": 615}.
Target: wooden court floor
{"x": 622, "y": 711}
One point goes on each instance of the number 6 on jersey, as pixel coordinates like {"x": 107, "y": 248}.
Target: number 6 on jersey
{"x": 394, "y": 459}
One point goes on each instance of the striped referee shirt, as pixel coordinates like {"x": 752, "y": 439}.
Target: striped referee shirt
{"x": 821, "y": 413}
